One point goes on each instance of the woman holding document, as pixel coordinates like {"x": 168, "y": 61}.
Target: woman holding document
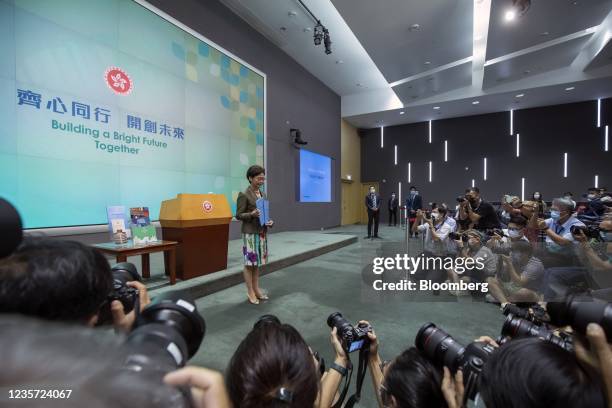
{"x": 255, "y": 246}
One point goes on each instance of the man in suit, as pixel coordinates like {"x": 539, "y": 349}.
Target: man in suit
{"x": 372, "y": 202}
{"x": 414, "y": 202}
{"x": 393, "y": 209}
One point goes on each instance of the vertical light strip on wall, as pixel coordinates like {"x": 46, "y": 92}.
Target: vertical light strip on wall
{"x": 395, "y": 154}
{"x": 409, "y": 173}
{"x": 446, "y": 150}
{"x": 430, "y": 172}
{"x": 382, "y": 137}
{"x": 484, "y": 176}
{"x": 511, "y": 122}
{"x": 606, "y": 140}
{"x": 430, "y": 131}
{"x": 473, "y": 183}
{"x": 564, "y": 164}
{"x": 596, "y": 181}
{"x": 599, "y": 113}
{"x": 523, "y": 189}
{"x": 399, "y": 193}
{"x": 518, "y": 136}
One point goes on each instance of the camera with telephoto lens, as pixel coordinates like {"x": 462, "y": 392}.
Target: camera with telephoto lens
{"x": 535, "y": 313}
{"x": 463, "y": 237}
{"x": 166, "y": 334}
{"x": 495, "y": 231}
{"x": 590, "y": 231}
{"x": 579, "y": 311}
{"x": 444, "y": 351}
{"x": 461, "y": 199}
{"x": 516, "y": 327}
{"x": 352, "y": 338}
{"x": 123, "y": 273}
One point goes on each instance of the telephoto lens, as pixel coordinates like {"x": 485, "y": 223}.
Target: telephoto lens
{"x": 515, "y": 327}
{"x": 444, "y": 351}
{"x": 178, "y": 314}
{"x": 579, "y": 311}
{"x": 123, "y": 273}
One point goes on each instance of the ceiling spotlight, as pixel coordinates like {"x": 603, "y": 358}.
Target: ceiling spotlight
{"x": 518, "y": 9}
{"x": 414, "y": 27}
{"x": 292, "y": 13}
{"x": 436, "y": 107}
{"x": 318, "y": 33}
{"x": 339, "y": 62}
{"x": 427, "y": 62}
{"x": 569, "y": 88}
{"x": 475, "y": 102}
{"x": 402, "y": 112}
{"x": 327, "y": 41}
{"x": 520, "y": 95}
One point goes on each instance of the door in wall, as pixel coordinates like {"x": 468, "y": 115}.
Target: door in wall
{"x": 365, "y": 189}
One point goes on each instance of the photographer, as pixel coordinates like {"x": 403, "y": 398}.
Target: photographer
{"x": 436, "y": 240}
{"x": 61, "y": 280}
{"x": 471, "y": 245}
{"x": 542, "y": 207}
{"x": 86, "y": 368}
{"x": 520, "y": 277}
{"x": 534, "y": 373}
{"x": 480, "y": 213}
{"x": 411, "y": 381}
{"x": 501, "y": 244}
{"x": 559, "y": 244}
{"x": 274, "y": 367}
{"x": 595, "y": 205}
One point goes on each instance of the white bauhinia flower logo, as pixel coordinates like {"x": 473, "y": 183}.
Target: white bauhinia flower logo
{"x": 119, "y": 81}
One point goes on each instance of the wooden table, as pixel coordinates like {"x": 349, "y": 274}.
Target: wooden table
{"x": 122, "y": 251}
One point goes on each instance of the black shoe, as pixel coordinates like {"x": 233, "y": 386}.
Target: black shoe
{"x": 376, "y": 236}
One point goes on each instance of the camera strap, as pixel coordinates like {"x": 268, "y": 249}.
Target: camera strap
{"x": 361, "y": 371}
{"x": 347, "y": 383}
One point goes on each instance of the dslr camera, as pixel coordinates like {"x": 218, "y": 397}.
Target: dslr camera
{"x": 123, "y": 273}
{"x": 590, "y": 231}
{"x": 352, "y": 338}
{"x": 443, "y": 350}
{"x": 462, "y": 237}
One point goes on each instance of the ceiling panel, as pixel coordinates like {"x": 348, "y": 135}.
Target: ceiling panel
{"x": 383, "y": 28}
{"x": 603, "y": 57}
{"x": 533, "y": 63}
{"x": 440, "y": 82}
{"x": 544, "y": 21}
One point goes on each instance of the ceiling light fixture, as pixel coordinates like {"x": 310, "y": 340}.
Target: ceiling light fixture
{"x": 569, "y": 88}
{"x": 321, "y": 33}
{"x": 402, "y": 112}
{"x": 518, "y": 9}
{"x": 475, "y": 102}
{"x": 436, "y": 107}
{"x": 414, "y": 27}
{"x": 520, "y": 95}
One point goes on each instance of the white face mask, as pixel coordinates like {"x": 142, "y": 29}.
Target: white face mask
{"x": 514, "y": 233}
{"x": 435, "y": 216}
{"x": 591, "y": 196}
{"x": 536, "y": 196}
{"x": 371, "y": 191}
{"x": 392, "y": 195}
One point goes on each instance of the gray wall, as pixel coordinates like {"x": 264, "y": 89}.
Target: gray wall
{"x": 295, "y": 98}
{"x": 293, "y": 95}
{"x": 545, "y": 134}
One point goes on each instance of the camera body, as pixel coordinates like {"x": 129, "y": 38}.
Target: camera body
{"x": 352, "y": 338}
{"x": 590, "y": 231}
{"x": 495, "y": 231}
{"x": 444, "y": 351}
{"x": 461, "y": 198}
{"x": 463, "y": 237}
{"x": 123, "y": 273}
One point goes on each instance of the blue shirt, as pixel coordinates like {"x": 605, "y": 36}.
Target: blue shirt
{"x": 563, "y": 230}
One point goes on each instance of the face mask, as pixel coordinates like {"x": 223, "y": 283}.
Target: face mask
{"x": 536, "y": 196}
{"x": 514, "y": 233}
{"x": 371, "y": 191}
{"x": 591, "y": 196}
{"x": 392, "y": 195}
{"x": 555, "y": 215}
{"x": 413, "y": 193}
{"x": 568, "y": 198}
{"x": 435, "y": 216}
{"x": 606, "y": 236}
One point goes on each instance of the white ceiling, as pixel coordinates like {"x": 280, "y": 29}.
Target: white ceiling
{"x": 462, "y": 51}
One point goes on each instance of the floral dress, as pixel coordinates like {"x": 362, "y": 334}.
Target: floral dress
{"x": 255, "y": 247}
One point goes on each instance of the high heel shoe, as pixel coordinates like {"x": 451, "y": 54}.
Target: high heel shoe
{"x": 253, "y": 302}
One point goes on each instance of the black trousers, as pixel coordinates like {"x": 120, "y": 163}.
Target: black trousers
{"x": 373, "y": 217}
{"x": 393, "y": 216}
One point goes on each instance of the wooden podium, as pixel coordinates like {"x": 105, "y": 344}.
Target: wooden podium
{"x": 200, "y": 223}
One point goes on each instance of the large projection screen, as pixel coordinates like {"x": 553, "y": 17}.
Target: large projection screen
{"x": 111, "y": 102}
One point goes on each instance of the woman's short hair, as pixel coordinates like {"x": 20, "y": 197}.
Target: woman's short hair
{"x": 271, "y": 357}
{"x": 534, "y": 373}
{"x": 254, "y": 171}
{"x": 414, "y": 381}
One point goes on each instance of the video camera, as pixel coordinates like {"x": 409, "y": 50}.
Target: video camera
{"x": 444, "y": 351}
